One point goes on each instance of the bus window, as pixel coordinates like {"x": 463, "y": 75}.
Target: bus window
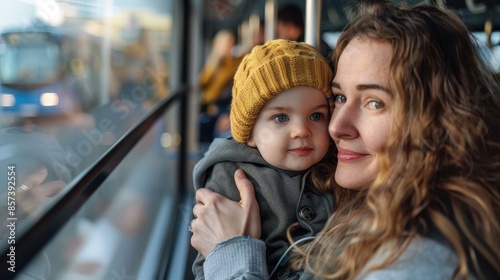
{"x": 31, "y": 63}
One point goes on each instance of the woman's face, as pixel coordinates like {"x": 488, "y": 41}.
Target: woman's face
{"x": 360, "y": 124}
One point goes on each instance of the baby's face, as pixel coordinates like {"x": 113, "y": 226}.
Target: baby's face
{"x": 291, "y": 131}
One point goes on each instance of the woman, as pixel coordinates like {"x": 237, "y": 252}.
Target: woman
{"x": 416, "y": 125}
{"x": 216, "y": 81}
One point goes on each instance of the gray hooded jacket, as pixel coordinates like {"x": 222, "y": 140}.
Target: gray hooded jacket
{"x": 284, "y": 197}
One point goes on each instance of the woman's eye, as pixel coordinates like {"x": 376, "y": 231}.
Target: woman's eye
{"x": 339, "y": 98}
{"x": 317, "y": 116}
{"x": 376, "y": 104}
{"x": 280, "y": 118}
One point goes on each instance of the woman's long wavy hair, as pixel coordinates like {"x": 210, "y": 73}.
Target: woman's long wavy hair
{"x": 441, "y": 164}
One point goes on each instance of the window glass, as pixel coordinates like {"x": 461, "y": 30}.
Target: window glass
{"x": 112, "y": 233}
{"x": 75, "y": 76}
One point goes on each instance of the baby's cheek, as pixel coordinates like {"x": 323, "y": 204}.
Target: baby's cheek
{"x": 266, "y": 135}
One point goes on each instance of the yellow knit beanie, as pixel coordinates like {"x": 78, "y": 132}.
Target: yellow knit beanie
{"x": 269, "y": 69}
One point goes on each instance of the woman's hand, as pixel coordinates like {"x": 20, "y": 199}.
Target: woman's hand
{"x": 218, "y": 218}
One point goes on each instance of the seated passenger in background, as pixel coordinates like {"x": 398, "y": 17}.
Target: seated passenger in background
{"x": 279, "y": 115}
{"x": 216, "y": 81}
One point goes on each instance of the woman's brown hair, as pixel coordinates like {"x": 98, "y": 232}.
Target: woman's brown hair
{"x": 441, "y": 165}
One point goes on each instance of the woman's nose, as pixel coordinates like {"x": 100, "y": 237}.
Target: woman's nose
{"x": 343, "y": 123}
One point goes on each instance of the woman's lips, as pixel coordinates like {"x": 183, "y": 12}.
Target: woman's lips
{"x": 349, "y": 156}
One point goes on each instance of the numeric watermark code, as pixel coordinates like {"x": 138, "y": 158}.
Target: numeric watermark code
{"x": 11, "y": 216}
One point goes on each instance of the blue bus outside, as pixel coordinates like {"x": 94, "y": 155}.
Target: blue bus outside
{"x": 37, "y": 73}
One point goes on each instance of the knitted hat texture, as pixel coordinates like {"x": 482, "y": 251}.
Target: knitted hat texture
{"x": 268, "y": 70}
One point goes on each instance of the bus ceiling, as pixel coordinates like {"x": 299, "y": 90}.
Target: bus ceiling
{"x": 229, "y": 14}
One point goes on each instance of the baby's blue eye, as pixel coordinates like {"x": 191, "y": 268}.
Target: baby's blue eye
{"x": 316, "y": 116}
{"x": 281, "y": 118}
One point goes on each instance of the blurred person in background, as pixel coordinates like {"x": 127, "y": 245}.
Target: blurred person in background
{"x": 216, "y": 82}
{"x": 290, "y": 26}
